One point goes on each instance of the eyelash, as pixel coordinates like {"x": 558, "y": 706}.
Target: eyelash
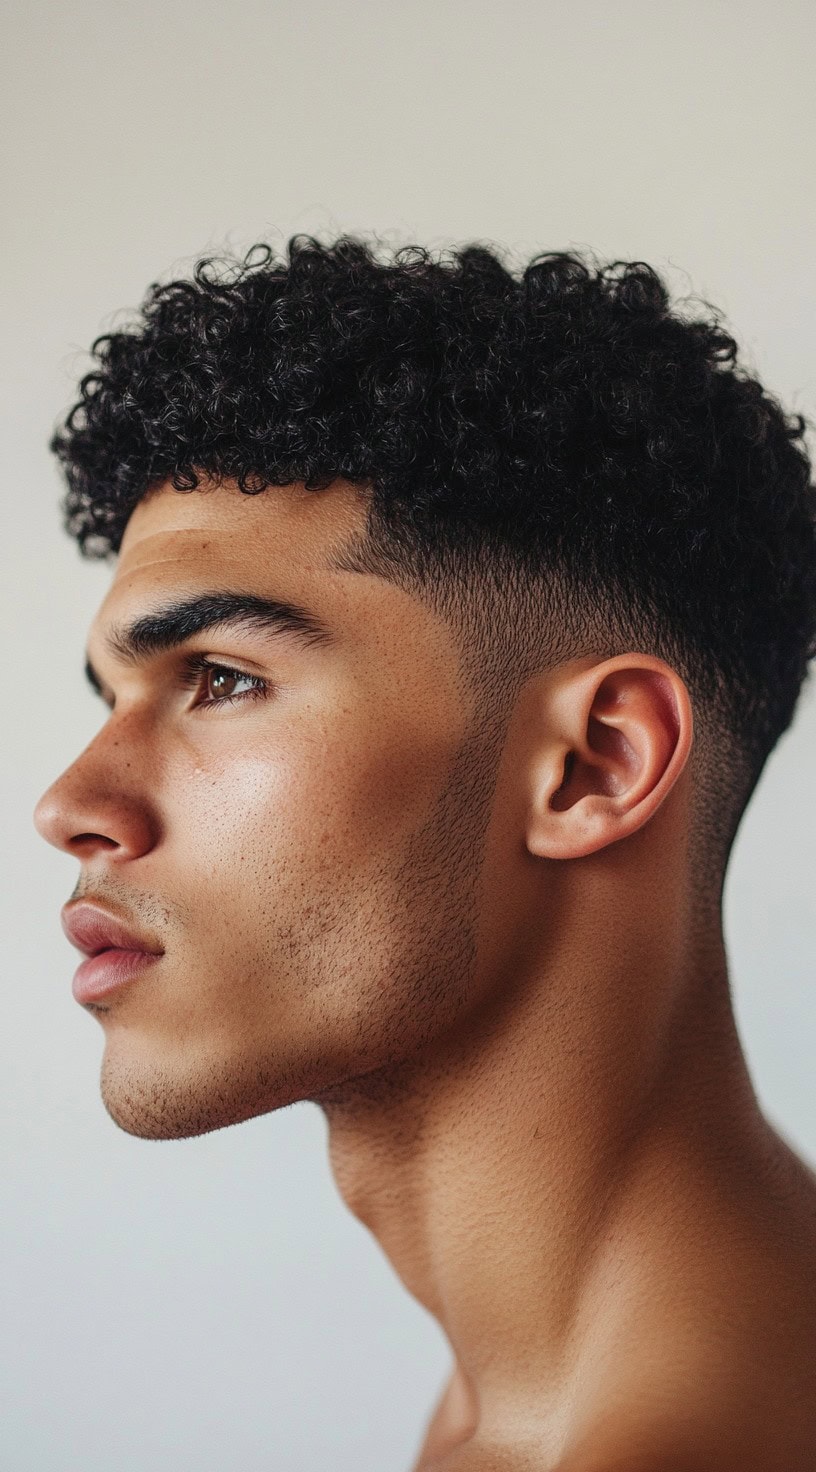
{"x": 196, "y": 665}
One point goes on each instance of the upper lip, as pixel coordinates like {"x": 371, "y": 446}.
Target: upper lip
{"x": 92, "y": 930}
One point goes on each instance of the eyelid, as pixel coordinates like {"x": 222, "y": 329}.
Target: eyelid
{"x": 198, "y": 664}
{"x": 193, "y": 665}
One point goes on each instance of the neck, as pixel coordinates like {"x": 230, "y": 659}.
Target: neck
{"x": 528, "y": 1176}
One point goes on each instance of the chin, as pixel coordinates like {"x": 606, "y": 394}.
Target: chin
{"x": 156, "y": 1104}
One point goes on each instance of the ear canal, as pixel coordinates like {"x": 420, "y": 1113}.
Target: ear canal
{"x": 569, "y": 763}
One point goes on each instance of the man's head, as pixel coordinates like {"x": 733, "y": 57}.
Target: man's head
{"x": 537, "y": 519}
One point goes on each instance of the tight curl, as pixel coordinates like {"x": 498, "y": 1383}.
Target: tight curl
{"x": 562, "y": 415}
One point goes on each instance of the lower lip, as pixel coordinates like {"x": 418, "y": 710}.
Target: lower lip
{"x": 100, "y": 975}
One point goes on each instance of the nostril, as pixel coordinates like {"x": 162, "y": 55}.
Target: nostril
{"x": 126, "y": 826}
{"x": 81, "y": 842}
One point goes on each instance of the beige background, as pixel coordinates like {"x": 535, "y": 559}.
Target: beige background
{"x": 210, "y": 1304}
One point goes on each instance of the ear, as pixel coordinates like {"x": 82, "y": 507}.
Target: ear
{"x": 617, "y": 735}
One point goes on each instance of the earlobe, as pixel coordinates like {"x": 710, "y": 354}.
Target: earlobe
{"x": 620, "y": 734}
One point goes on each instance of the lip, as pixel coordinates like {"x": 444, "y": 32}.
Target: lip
{"x": 113, "y": 953}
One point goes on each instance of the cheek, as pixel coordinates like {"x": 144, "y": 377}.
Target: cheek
{"x": 324, "y": 804}
{"x": 236, "y": 820}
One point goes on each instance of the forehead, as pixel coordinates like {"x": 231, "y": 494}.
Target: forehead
{"x": 278, "y": 544}
{"x": 214, "y": 526}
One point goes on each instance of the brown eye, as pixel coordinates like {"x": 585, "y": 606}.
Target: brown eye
{"x": 220, "y": 682}
{"x": 221, "y": 685}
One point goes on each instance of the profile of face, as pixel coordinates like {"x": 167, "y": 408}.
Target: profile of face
{"x": 302, "y": 832}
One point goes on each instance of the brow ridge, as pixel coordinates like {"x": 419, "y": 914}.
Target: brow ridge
{"x": 172, "y": 624}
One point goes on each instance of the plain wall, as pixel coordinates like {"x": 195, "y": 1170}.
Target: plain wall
{"x": 210, "y": 1305}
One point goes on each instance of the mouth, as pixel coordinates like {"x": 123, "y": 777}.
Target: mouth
{"x": 115, "y": 954}
{"x": 94, "y": 930}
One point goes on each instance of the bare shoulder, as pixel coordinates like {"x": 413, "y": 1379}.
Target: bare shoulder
{"x": 475, "y": 1457}
{"x": 479, "y": 1456}
{"x": 683, "y": 1448}
{"x": 673, "y": 1444}
{"x": 690, "y": 1460}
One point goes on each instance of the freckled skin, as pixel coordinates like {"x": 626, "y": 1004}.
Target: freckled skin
{"x": 477, "y": 948}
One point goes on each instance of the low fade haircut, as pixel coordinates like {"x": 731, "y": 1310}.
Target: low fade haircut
{"x": 555, "y": 457}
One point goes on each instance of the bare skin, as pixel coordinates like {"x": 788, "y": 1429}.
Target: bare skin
{"x": 485, "y": 966}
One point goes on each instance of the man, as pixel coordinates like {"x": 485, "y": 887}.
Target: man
{"x": 456, "y": 612}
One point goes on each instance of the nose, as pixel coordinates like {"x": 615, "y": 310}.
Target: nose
{"x": 85, "y": 812}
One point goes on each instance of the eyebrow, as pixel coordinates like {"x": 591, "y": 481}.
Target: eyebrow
{"x": 172, "y": 624}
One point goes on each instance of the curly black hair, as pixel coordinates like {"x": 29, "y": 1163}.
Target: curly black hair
{"x": 552, "y": 452}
